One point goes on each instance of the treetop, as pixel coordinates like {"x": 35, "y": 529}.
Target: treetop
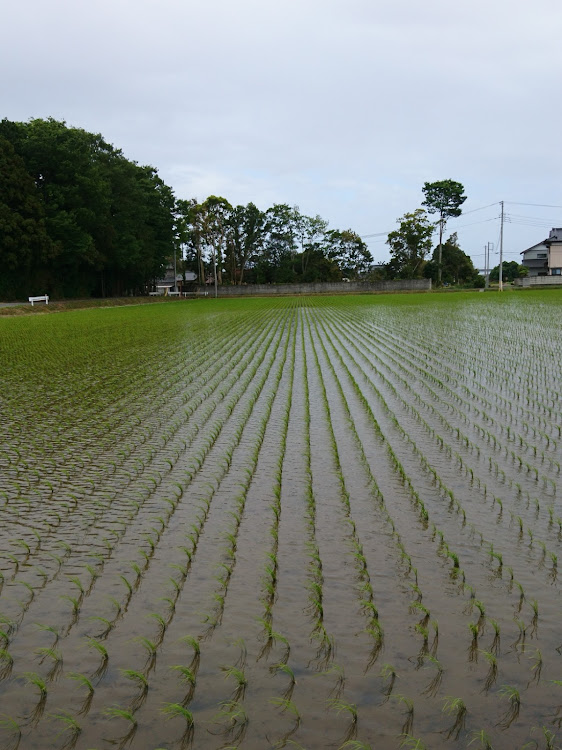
{"x": 444, "y": 197}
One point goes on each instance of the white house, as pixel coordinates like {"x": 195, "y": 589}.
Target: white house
{"x": 545, "y": 258}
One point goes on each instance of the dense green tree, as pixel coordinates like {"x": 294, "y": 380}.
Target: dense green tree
{"x": 275, "y": 262}
{"x": 349, "y": 251}
{"x": 445, "y": 198}
{"x": 189, "y": 215}
{"x": 25, "y": 246}
{"x": 109, "y": 221}
{"x": 409, "y": 245}
{"x": 456, "y": 266}
{"x": 511, "y": 270}
{"x": 215, "y": 213}
{"x": 310, "y": 233}
{"x": 247, "y": 226}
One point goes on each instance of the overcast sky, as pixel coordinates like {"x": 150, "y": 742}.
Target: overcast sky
{"x": 342, "y": 107}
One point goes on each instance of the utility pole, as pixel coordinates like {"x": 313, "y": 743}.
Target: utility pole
{"x": 439, "y": 264}
{"x": 487, "y": 248}
{"x": 501, "y": 250}
{"x": 215, "y": 269}
{"x": 486, "y": 282}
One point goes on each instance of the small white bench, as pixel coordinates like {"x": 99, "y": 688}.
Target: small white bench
{"x": 43, "y": 298}
{"x": 174, "y": 294}
{"x": 155, "y": 294}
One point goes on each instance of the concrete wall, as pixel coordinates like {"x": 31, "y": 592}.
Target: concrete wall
{"x": 539, "y": 281}
{"x": 338, "y": 287}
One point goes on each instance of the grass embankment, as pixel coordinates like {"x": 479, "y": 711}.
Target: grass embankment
{"x": 25, "y": 308}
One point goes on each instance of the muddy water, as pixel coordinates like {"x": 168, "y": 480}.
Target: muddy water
{"x": 272, "y": 496}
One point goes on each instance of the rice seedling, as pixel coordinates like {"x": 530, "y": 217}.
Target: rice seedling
{"x": 32, "y": 678}
{"x": 536, "y": 667}
{"x": 49, "y": 629}
{"x": 70, "y": 727}
{"x": 96, "y": 645}
{"x": 492, "y": 674}
{"x": 176, "y": 710}
{"x": 512, "y": 694}
{"x": 55, "y": 656}
{"x": 287, "y": 706}
{"x": 193, "y": 642}
{"x": 161, "y": 622}
{"x": 85, "y": 682}
{"x": 115, "y": 712}
{"x": 239, "y": 677}
{"x": 455, "y": 707}
{"x": 435, "y": 683}
{"x": 409, "y": 707}
{"x": 236, "y": 720}
{"x": 12, "y": 727}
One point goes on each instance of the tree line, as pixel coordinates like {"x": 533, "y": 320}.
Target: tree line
{"x": 276, "y": 246}
{"x": 77, "y": 218}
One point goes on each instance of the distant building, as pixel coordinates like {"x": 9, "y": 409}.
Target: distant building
{"x": 169, "y": 283}
{"x": 545, "y": 258}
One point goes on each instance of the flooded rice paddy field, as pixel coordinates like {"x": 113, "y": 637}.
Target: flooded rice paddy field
{"x": 312, "y": 523}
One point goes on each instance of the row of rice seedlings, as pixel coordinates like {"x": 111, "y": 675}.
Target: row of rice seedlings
{"x": 377, "y": 494}
{"x": 535, "y": 609}
{"x": 509, "y": 405}
{"x": 104, "y": 659}
{"x": 418, "y": 502}
{"x": 326, "y": 643}
{"x": 236, "y": 671}
{"x": 425, "y": 463}
{"x": 135, "y": 422}
{"x": 231, "y": 536}
{"x": 465, "y": 441}
{"x": 364, "y": 587}
{"x": 271, "y": 567}
{"x": 124, "y": 526}
{"x": 215, "y": 617}
{"x": 421, "y": 627}
{"x": 470, "y": 406}
{"x": 196, "y": 528}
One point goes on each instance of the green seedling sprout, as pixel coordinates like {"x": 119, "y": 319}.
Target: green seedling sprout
{"x": 81, "y": 679}
{"x": 12, "y": 726}
{"x": 32, "y": 678}
{"x": 70, "y": 725}
{"x": 455, "y": 707}
{"x": 512, "y": 694}
{"x": 173, "y": 710}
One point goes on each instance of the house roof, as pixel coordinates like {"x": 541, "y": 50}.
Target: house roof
{"x": 534, "y": 247}
{"x": 168, "y": 279}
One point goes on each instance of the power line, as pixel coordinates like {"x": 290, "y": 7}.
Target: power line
{"x": 524, "y": 216}
{"x": 540, "y": 205}
{"x": 472, "y": 210}
{"x": 518, "y": 219}
{"x": 375, "y": 234}
{"x": 473, "y": 223}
